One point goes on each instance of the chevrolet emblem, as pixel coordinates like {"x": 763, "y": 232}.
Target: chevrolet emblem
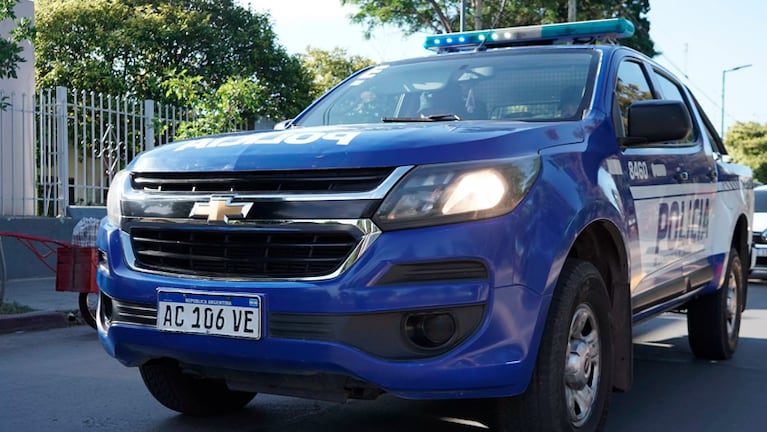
{"x": 220, "y": 209}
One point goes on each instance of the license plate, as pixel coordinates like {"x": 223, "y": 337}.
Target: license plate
{"x": 230, "y": 315}
{"x": 762, "y": 252}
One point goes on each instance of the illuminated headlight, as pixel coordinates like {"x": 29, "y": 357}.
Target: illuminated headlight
{"x": 457, "y": 192}
{"x": 114, "y": 198}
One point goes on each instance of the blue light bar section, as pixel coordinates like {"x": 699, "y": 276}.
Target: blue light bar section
{"x": 615, "y": 28}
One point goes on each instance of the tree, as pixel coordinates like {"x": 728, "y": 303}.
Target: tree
{"x": 747, "y": 142}
{"x": 233, "y": 106}
{"x": 443, "y": 16}
{"x": 126, "y": 47}
{"x": 330, "y": 67}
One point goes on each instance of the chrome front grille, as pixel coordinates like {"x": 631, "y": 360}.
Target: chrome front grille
{"x": 263, "y": 182}
{"x": 302, "y": 224}
{"x": 313, "y": 251}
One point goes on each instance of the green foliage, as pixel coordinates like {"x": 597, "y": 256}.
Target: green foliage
{"x": 330, "y": 67}
{"x": 126, "y": 47}
{"x": 747, "y": 143}
{"x": 225, "y": 110}
{"x": 443, "y": 16}
{"x": 14, "y": 308}
{"x": 10, "y": 49}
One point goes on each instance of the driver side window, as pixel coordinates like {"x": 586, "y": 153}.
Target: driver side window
{"x": 631, "y": 86}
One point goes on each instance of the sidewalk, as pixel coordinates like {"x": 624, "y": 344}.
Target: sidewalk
{"x": 52, "y": 309}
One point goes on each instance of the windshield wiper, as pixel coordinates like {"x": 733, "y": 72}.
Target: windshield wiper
{"x": 429, "y": 118}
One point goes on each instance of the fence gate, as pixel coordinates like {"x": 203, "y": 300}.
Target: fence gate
{"x": 80, "y": 140}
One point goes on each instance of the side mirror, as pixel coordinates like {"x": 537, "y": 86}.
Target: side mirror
{"x": 653, "y": 121}
{"x": 285, "y": 124}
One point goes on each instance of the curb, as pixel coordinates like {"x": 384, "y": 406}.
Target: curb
{"x": 42, "y": 320}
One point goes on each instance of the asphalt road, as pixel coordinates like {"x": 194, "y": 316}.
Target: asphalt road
{"x": 62, "y": 380}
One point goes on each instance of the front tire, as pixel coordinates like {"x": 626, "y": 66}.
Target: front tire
{"x": 188, "y": 394}
{"x": 88, "y": 303}
{"x": 713, "y": 320}
{"x": 570, "y": 387}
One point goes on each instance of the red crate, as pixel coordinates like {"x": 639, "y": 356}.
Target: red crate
{"x": 76, "y": 269}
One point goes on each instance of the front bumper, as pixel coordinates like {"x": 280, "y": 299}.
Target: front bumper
{"x": 493, "y": 354}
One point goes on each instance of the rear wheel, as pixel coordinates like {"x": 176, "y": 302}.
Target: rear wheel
{"x": 713, "y": 320}
{"x": 570, "y": 387}
{"x": 188, "y": 394}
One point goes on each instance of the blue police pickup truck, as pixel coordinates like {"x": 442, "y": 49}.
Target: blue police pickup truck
{"x": 486, "y": 222}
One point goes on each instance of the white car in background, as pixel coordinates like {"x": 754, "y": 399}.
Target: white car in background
{"x": 760, "y": 232}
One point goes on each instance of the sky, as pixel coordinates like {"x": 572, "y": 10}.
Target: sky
{"x": 698, "y": 39}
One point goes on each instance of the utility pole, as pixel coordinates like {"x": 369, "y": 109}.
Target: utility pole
{"x": 477, "y": 14}
{"x": 571, "y": 9}
{"x": 463, "y": 15}
{"x": 724, "y": 76}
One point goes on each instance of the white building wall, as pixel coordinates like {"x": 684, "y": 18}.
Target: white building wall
{"x": 17, "y": 142}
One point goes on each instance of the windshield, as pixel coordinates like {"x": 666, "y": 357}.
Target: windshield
{"x": 531, "y": 86}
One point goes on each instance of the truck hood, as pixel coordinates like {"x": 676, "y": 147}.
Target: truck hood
{"x": 383, "y": 145}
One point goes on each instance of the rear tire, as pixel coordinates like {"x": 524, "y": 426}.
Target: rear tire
{"x": 188, "y": 394}
{"x": 713, "y": 320}
{"x": 570, "y": 387}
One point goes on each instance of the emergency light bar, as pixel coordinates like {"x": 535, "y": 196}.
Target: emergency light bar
{"x": 574, "y": 32}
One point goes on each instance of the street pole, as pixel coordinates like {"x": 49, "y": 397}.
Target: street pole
{"x": 571, "y": 10}
{"x": 477, "y": 14}
{"x": 724, "y": 76}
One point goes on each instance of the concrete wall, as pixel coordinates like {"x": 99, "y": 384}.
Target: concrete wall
{"x": 17, "y": 152}
{"x": 20, "y": 262}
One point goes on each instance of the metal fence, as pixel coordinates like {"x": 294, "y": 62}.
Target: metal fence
{"x": 73, "y": 142}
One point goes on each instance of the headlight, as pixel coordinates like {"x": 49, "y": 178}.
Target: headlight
{"x": 457, "y": 192}
{"x": 115, "y": 196}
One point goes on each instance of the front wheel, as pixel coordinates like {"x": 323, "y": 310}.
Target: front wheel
{"x": 570, "y": 387}
{"x": 189, "y": 394}
{"x": 713, "y": 320}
